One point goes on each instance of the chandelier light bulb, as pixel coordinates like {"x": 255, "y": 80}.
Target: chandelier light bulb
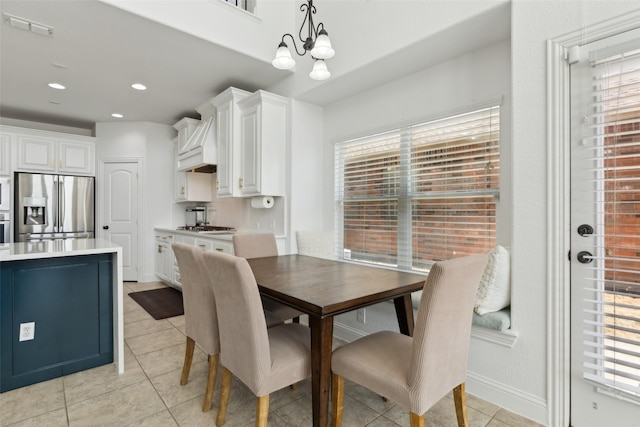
{"x": 320, "y": 70}
{"x": 283, "y": 59}
{"x": 322, "y": 48}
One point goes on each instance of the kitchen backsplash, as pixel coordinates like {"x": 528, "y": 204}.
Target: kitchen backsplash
{"x": 237, "y": 212}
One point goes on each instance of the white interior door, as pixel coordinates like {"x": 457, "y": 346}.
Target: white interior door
{"x": 120, "y": 212}
{"x": 605, "y": 233}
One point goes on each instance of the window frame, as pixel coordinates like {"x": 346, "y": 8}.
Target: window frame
{"x": 405, "y": 197}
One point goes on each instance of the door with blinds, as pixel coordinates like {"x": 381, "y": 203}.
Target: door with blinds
{"x": 605, "y": 233}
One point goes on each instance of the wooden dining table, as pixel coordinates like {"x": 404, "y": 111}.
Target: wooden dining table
{"x": 324, "y": 288}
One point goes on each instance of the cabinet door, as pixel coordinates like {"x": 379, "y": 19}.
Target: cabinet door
{"x": 224, "y": 184}
{"x": 5, "y": 151}
{"x": 76, "y": 158}
{"x": 181, "y": 186}
{"x": 250, "y": 168}
{"x": 36, "y": 154}
{"x": 164, "y": 258}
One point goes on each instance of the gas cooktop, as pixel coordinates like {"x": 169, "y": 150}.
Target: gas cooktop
{"x": 210, "y": 229}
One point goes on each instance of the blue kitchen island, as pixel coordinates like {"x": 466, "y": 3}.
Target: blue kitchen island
{"x": 60, "y": 309}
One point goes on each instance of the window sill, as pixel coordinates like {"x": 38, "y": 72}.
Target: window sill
{"x": 506, "y": 339}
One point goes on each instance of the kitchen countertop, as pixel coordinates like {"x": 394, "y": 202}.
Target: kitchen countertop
{"x": 56, "y": 248}
{"x": 209, "y": 235}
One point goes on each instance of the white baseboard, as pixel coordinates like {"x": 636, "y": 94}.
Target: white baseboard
{"x": 149, "y": 278}
{"x": 507, "y": 397}
{"x": 346, "y": 333}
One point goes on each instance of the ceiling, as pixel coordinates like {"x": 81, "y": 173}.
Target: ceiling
{"x": 97, "y": 51}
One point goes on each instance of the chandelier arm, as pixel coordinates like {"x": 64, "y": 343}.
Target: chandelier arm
{"x": 306, "y": 9}
{"x": 295, "y": 47}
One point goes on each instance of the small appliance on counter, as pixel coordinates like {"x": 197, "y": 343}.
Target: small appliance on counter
{"x": 196, "y": 216}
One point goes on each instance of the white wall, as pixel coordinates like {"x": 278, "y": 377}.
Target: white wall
{"x": 45, "y": 126}
{"x": 221, "y": 23}
{"x": 307, "y": 181}
{"x": 153, "y": 144}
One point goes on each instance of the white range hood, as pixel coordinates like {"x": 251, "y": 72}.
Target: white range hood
{"x": 200, "y": 152}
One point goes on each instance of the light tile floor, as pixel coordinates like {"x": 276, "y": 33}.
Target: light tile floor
{"x": 149, "y": 393}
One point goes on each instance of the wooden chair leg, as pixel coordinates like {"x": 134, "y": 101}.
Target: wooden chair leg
{"x": 211, "y": 382}
{"x": 416, "y": 420}
{"x": 262, "y": 411}
{"x": 460, "y": 400}
{"x": 188, "y": 358}
{"x": 337, "y": 400}
{"x": 296, "y": 319}
{"x": 223, "y": 400}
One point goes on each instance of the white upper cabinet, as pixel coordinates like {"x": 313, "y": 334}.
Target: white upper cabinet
{"x": 263, "y": 131}
{"x": 42, "y": 151}
{"x": 76, "y": 158}
{"x": 185, "y": 128}
{"x": 228, "y": 140}
{"x": 5, "y": 152}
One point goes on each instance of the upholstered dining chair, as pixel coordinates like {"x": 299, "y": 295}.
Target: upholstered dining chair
{"x": 265, "y": 360}
{"x": 260, "y": 245}
{"x": 200, "y": 316}
{"x": 417, "y": 371}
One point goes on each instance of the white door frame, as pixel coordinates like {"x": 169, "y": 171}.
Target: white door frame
{"x": 100, "y": 209}
{"x": 558, "y": 209}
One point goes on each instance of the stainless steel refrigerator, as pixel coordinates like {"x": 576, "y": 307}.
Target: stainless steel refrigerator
{"x": 52, "y": 207}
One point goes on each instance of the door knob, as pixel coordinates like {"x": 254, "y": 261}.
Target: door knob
{"x": 585, "y": 257}
{"x": 105, "y": 227}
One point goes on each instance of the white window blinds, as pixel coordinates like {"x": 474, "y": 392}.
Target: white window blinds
{"x": 612, "y": 316}
{"x": 422, "y": 193}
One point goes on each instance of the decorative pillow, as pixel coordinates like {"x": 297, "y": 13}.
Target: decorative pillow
{"x": 498, "y": 320}
{"x": 494, "y": 292}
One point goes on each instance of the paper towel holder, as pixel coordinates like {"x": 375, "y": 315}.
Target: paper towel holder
{"x": 262, "y": 202}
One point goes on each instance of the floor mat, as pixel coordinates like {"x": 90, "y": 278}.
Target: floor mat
{"x": 160, "y": 303}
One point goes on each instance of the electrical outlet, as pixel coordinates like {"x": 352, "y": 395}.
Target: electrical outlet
{"x": 361, "y": 315}
{"x": 27, "y": 331}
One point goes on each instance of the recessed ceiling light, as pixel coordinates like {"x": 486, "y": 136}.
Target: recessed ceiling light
{"x": 56, "y": 86}
{"x": 117, "y": 115}
{"x": 139, "y": 86}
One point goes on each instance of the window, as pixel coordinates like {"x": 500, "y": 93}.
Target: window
{"x": 427, "y": 192}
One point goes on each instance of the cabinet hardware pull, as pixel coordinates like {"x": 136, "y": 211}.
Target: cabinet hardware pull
{"x": 219, "y": 249}
{"x": 241, "y": 182}
{"x": 217, "y": 184}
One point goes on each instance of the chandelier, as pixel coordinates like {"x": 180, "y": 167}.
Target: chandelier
{"x": 316, "y": 42}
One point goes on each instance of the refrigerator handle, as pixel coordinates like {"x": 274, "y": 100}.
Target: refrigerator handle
{"x": 61, "y": 204}
{"x": 55, "y": 197}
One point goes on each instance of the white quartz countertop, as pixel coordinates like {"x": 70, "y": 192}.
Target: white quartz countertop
{"x": 56, "y": 248}
{"x": 209, "y": 235}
